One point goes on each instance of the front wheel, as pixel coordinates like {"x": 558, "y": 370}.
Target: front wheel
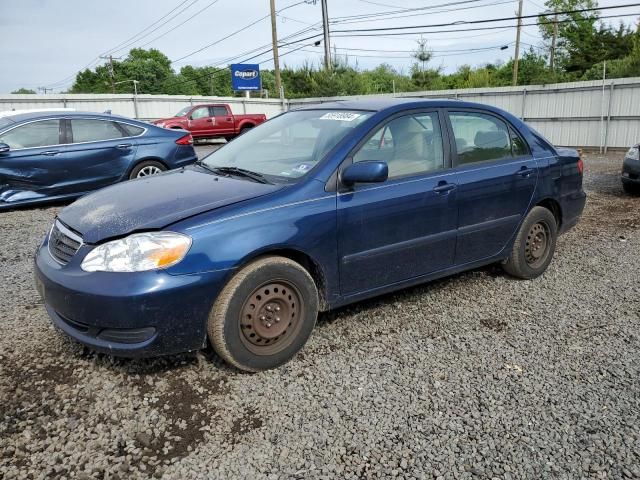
{"x": 264, "y": 315}
{"x": 146, "y": 168}
{"x": 534, "y": 246}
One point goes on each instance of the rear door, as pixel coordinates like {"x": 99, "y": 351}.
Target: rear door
{"x": 405, "y": 227}
{"x": 223, "y": 119}
{"x": 100, "y": 152}
{"x": 36, "y": 166}
{"x": 497, "y": 177}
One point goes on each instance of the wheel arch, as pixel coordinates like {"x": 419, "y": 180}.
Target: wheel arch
{"x": 305, "y": 260}
{"x": 138, "y": 161}
{"x": 554, "y": 207}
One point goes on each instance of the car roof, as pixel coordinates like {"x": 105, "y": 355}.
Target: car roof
{"x": 380, "y": 104}
{"x": 42, "y": 115}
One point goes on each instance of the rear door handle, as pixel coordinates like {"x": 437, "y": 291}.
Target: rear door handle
{"x": 229, "y": 119}
{"x": 525, "y": 172}
{"x": 124, "y": 146}
{"x": 444, "y": 188}
{"x": 50, "y": 153}
{"x": 209, "y": 120}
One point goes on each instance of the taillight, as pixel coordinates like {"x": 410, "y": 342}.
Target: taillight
{"x": 186, "y": 140}
{"x": 580, "y": 165}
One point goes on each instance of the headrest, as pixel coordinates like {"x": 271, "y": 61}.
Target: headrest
{"x": 491, "y": 139}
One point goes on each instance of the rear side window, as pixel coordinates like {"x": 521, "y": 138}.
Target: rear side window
{"x": 85, "y": 130}
{"x": 218, "y": 111}
{"x": 36, "y": 134}
{"x": 481, "y": 138}
{"x": 410, "y": 145}
{"x": 131, "y": 130}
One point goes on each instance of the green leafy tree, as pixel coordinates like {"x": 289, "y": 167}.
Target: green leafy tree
{"x": 24, "y": 91}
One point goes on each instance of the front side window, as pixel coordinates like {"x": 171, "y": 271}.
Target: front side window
{"x": 36, "y": 134}
{"x": 480, "y": 137}
{"x": 288, "y": 146}
{"x": 410, "y": 145}
{"x": 86, "y": 130}
{"x": 202, "y": 112}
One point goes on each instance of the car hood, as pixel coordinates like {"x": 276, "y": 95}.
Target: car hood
{"x": 170, "y": 119}
{"x": 153, "y": 203}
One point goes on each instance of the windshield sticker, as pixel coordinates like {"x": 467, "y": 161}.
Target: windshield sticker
{"x": 302, "y": 168}
{"x": 341, "y": 116}
{"x": 287, "y": 174}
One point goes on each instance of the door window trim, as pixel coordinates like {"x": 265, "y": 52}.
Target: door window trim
{"x": 454, "y": 148}
{"x": 70, "y": 133}
{"x": 65, "y": 131}
{"x": 333, "y": 184}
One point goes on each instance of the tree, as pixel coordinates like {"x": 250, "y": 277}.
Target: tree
{"x": 422, "y": 55}
{"x": 24, "y": 91}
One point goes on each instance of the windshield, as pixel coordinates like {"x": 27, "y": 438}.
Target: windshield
{"x": 182, "y": 112}
{"x": 289, "y": 146}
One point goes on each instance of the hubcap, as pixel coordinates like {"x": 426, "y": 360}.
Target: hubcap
{"x": 537, "y": 246}
{"x": 149, "y": 170}
{"x": 270, "y": 317}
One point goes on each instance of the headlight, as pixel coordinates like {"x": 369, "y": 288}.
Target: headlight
{"x": 138, "y": 252}
{"x": 633, "y": 153}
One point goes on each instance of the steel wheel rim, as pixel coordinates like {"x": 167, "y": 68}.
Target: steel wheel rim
{"x": 538, "y": 244}
{"x": 148, "y": 170}
{"x": 271, "y": 317}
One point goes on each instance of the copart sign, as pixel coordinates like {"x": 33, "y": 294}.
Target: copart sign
{"x": 245, "y": 76}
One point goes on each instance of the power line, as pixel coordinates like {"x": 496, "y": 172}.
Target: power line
{"x": 474, "y": 29}
{"x": 240, "y": 30}
{"x": 113, "y": 49}
{"x": 486, "y": 20}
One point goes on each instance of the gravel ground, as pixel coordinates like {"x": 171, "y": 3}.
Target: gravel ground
{"x": 475, "y": 376}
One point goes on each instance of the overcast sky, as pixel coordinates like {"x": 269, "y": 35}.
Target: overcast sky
{"x": 45, "y": 42}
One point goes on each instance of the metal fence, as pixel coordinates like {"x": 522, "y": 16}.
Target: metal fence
{"x": 593, "y": 114}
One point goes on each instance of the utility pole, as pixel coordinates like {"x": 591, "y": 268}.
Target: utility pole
{"x": 325, "y": 30}
{"x": 274, "y": 40}
{"x": 552, "y": 60}
{"x": 111, "y": 72}
{"x": 515, "y": 60}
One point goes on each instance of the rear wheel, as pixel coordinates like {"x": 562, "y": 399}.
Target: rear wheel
{"x": 146, "y": 168}
{"x": 264, "y": 315}
{"x": 534, "y": 246}
{"x": 244, "y": 130}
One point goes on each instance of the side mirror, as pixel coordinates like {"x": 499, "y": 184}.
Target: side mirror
{"x": 364, "y": 172}
{"x": 4, "y": 148}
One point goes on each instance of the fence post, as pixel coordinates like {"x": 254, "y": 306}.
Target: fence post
{"x": 524, "y": 99}
{"x": 606, "y": 128}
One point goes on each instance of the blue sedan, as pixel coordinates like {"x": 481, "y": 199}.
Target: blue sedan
{"x": 47, "y": 156}
{"x": 312, "y": 210}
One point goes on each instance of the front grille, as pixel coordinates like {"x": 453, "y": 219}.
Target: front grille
{"x": 63, "y": 243}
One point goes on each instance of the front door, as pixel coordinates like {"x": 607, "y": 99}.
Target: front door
{"x": 405, "y": 227}
{"x": 36, "y": 166}
{"x": 201, "y": 123}
{"x": 497, "y": 177}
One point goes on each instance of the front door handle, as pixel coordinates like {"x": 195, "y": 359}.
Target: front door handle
{"x": 444, "y": 188}
{"x": 124, "y": 146}
{"x": 209, "y": 120}
{"x": 50, "y": 153}
{"x": 525, "y": 172}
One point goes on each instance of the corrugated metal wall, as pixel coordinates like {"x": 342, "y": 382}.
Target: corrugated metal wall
{"x": 580, "y": 114}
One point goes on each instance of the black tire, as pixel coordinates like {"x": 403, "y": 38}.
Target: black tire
{"x": 244, "y": 130}
{"x": 278, "y": 290}
{"x": 146, "y": 166}
{"x": 534, "y": 246}
{"x": 631, "y": 188}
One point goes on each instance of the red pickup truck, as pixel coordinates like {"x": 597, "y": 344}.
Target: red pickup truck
{"x": 211, "y": 120}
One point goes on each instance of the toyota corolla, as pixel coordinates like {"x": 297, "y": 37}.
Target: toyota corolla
{"x": 314, "y": 209}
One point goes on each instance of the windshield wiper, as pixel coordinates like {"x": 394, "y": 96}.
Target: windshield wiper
{"x": 258, "y": 177}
